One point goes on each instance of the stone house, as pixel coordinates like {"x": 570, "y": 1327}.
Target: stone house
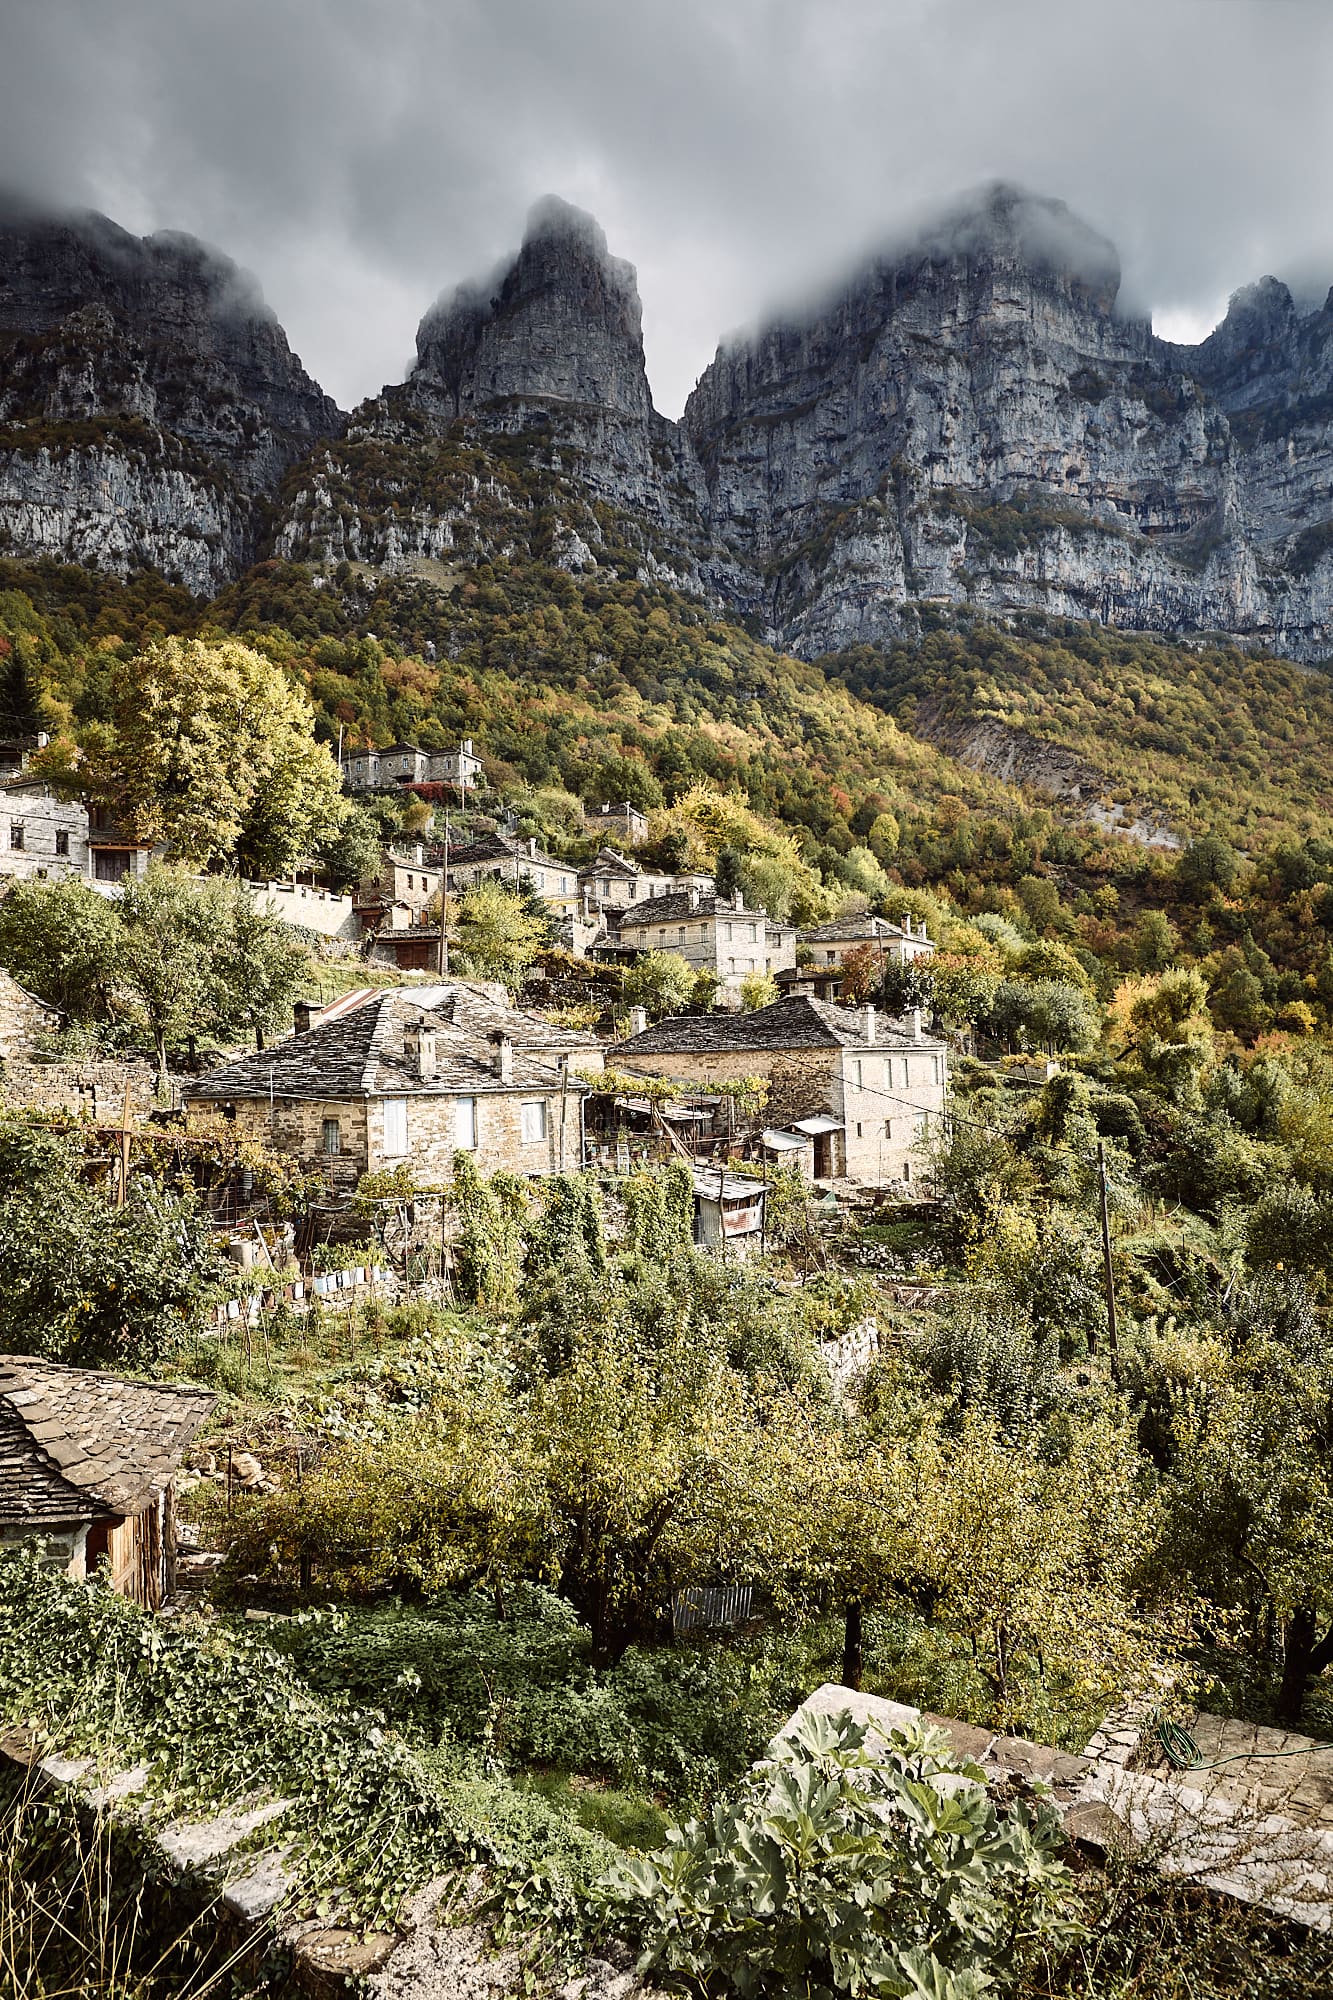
{"x": 410, "y": 1076}
{"x": 713, "y": 933}
{"x": 828, "y": 944}
{"x": 621, "y": 822}
{"x": 497, "y": 857}
{"x": 403, "y": 764}
{"x": 88, "y": 1462}
{"x": 611, "y": 882}
{"x": 864, "y": 1088}
{"x": 40, "y": 834}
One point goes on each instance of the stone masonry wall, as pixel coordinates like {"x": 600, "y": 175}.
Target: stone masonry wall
{"x": 433, "y": 1133}
{"x": 92, "y": 1089}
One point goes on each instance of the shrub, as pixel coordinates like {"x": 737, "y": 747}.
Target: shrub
{"x": 836, "y": 1871}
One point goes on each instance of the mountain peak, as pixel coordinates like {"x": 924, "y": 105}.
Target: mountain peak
{"x": 559, "y": 323}
{"x": 1001, "y": 222}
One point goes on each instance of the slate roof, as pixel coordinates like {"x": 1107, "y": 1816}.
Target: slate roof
{"x": 839, "y": 930}
{"x": 676, "y": 907}
{"x": 797, "y": 1022}
{"x": 78, "y": 1445}
{"x": 364, "y": 1053}
{"x": 496, "y": 847}
{"x": 608, "y": 862}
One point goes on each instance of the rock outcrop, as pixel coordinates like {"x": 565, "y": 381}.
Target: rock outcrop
{"x": 148, "y": 399}
{"x": 971, "y": 418}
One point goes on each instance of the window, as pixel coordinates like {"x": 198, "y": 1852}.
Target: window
{"x": 888, "y": 1072}
{"x": 465, "y": 1124}
{"x": 858, "y": 1128}
{"x": 333, "y": 1138}
{"x": 16, "y": 833}
{"x": 728, "y": 933}
{"x": 858, "y": 1073}
{"x": 731, "y": 965}
{"x": 564, "y": 884}
{"x": 888, "y": 1128}
{"x": 907, "y": 1075}
{"x": 681, "y": 935}
{"x": 395, "y": 1125}
{"x": 111, "y": 864}
{"x": 754, "y": 934}
{"x": 533, "y": 1121}
{"x": 918, "y": 1124}
{"x": 62, "y": 840}
{"x": 830, "y": 957}
{"x": 934, "y": 1069}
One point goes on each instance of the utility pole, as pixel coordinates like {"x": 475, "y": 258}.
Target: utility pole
{"x": 1112, "y": 1339}
{"x": 444, "y": 901}
{"x": 123, "y": 1146}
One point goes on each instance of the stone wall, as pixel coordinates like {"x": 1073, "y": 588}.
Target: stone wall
{"x": 94, "y": 1090}
{"x": 319, "y": 910}
{"x": 434, "y": 1132}
{"x": 21, "y": 1017}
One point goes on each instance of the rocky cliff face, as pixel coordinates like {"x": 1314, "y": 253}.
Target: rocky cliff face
{"x": 971, "y": 418}
{"x": 148, "y": 400}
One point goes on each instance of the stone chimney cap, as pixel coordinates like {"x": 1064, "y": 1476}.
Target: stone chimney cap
{"x": 870, "y": 1025}
{"x": 740, "y": 899}
{"x": 916, "y": 1024}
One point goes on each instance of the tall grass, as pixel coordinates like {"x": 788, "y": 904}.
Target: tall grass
{"x": 88, "y": 1910}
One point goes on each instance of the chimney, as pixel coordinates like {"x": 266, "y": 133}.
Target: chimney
{"x": 916, "y": 1024}
{"x": 739, "y": 899}
{"x": 870, "y": 1026}
{"x": 532, "y": 843}
{"x": 467, "y": 746}
{"x": 301, "y": 1013}
{"x": 694, "y": 895}
{"x": 420, "y": 1042}
{"x": 504, "y": 1059}
{"x": 906, "y": 925}
{"x": 638, "y": 1020}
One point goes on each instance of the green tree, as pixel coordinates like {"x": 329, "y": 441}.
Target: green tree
{"x": 257, "y": 967}
{"x": 758, "y": 989}
{"x": 660, "y": 982}
{"x": 1252, "y": 1498}
{"x": 211, "y": 750}
{"x": 170, "y": 931}
{"x": 498, "y": 933}
{"x": 1156, "y": 941}
{"x": 842, "y": 1869}
{"x": 83, "y": 1281}
{"x": 353, "y": 854}
{"x": 1208, "y": 863}
{"x": 61, "y": 941}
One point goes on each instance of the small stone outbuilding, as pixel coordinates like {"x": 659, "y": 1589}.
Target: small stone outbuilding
{"x": 88, "y": 1462}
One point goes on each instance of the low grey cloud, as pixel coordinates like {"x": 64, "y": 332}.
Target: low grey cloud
{"x": 361, "y": 158}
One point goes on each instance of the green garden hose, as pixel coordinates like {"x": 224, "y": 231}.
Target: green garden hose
{"x": 1180, "y": 1749}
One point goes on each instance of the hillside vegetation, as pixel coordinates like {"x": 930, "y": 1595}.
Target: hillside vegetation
{"x": 1214, "y": 739}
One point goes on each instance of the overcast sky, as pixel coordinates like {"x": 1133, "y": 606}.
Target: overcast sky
{"x": 360, "y": 156}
